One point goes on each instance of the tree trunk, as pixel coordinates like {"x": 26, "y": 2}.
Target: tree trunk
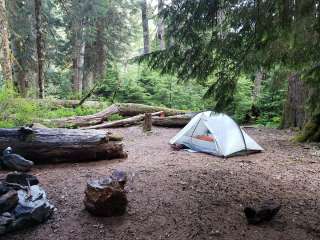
{"x": 124, "y": 109}
{"x": 22, "y": 81}
{"x": 145, "y": 26}
{"x": 39, "y": 43}
{"x": 257, "y": 85}
{"x": 61, "y": 145}
{"x": 87, "y": 81}
{"x": 161, "y": 26}
{"x": 294, "y": 110}
{"x": 78, "y": 52}
{"x": 100, "y": 51}
{"x": 4, "y": 36}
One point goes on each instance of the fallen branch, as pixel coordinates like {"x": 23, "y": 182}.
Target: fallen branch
{"x": 123, "y": 109}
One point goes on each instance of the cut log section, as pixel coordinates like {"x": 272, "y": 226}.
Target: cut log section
{"x": 61, "y": 145}
{"x": 123, "y": 109}
{"x": 147, "y": 123}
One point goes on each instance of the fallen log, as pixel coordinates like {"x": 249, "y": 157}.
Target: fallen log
{"x": 58, "y": 103}
{"x": 172, "y": 121}
{"x": 123, "y": 109}
{"x": 121, "y": 123}
{"x": 61, "y": 145}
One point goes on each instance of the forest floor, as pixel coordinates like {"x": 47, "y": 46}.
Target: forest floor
{"x": 182, "y": 195}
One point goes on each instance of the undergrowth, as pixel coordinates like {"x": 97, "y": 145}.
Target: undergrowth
{"x": 16, "y": 111}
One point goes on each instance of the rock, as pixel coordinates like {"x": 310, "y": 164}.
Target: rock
{"x": 23, "y": 208}
{"x": 5, "y": 220}
{"x": 3, "y": 188}
{"x": 31, "y": 210}
{"x": 263, "y": 213}
{"x": 36, "y": 207}
{"x": 105, "y": 197}
{"x": 15, "y": 162}
{"x": 21, "y": 179}
{"x": 8, "y": 201}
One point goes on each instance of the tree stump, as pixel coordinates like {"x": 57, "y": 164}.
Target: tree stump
{"x": 147, "y": 123}
{"x": 105, "y": 197}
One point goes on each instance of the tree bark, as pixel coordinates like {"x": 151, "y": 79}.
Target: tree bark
{"x": 39, "y": 43}
{"x": 100, "y": 51}
{"x": 257, "y": 85}
{"x": 145, "y": 26}
{"x": 61, "y": 145}
{"x": 123, "y": 109}
{"x": 294, "y": 111}
{"x": 5, "y": 47}
{"x": 22, "y": 81}
{"x": 161, "y": 26}
{"x": 78, "y": 52}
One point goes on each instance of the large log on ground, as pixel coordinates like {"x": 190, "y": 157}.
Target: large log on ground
{"x": 121, "y": 123}
{"x": 61, "y": 145}
{"x": 172, "y": 121}
{"x": 123, "y": 109}
{"x": 58, "y": 103}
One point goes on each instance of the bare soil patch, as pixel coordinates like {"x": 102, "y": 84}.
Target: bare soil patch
{"x": 182, "y": 195}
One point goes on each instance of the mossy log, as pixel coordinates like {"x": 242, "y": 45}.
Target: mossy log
{"x": 61, "y": 145}
{"x": 123, "y": 109}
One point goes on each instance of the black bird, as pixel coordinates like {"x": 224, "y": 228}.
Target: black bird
{"x": 264, "y": 213}
{"x": 15, "y": 162}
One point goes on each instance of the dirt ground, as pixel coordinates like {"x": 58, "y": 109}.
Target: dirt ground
{"x": 182, "y": 195}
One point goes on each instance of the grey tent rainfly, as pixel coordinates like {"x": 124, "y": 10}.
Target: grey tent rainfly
{"x": 216, "y": 134}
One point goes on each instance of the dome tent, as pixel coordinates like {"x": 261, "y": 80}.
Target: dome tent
{"x": 217, "y": 134}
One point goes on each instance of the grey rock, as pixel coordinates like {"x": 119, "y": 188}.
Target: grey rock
{"x": 5, "y": 220}
{"x": 33, "y": 208}
{"x": 22, "y": 179}
{"x": 36, "y": 207}
{"x": 3, "y": 188}
{"x": 15, "y": 162}
{"x": 8, "y": 201}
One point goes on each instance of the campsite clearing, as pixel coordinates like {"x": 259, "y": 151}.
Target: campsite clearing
{"x": 182, "y": 195}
